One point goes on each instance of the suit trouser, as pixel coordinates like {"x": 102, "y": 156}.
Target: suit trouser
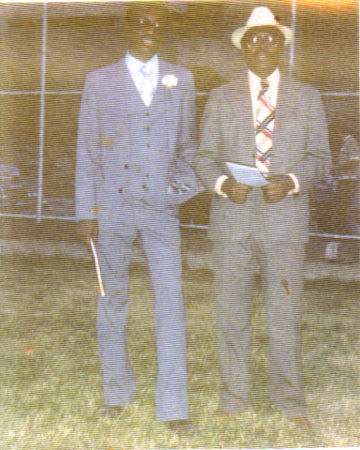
{"x": 161, "y": 245}
{"x": 281, "y": 271}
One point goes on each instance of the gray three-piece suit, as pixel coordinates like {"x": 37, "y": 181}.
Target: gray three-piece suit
{"x": 133, "y": 169}
{"x": 255, "y": 232}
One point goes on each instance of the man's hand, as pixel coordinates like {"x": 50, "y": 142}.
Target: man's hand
{"x": 236, "y": 192}
{"x": 87, "y": 229}
{"x": 278, "y": 187}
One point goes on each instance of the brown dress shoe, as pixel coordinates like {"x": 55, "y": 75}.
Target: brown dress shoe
{"x": 227, "y": 414}
{"x": 110, "y": 411}
{"x": 182, "y": 426}
{"x": 301, "y": 422}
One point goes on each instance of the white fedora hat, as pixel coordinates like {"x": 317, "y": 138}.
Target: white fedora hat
{"x": 260, "y": 17}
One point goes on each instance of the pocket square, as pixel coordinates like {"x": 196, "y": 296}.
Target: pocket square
{"x": 176, "y": 187}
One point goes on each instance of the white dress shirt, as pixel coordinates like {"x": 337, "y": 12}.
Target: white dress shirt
{"x": 272, "y": 93}
{"x": 135, "y": 67}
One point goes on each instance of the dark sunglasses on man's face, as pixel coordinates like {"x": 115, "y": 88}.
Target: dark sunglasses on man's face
{"x": 267, "y": 39}
{"x": 145, "y": 23}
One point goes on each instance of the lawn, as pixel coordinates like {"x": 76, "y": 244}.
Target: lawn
{"x": 51, "y": 380}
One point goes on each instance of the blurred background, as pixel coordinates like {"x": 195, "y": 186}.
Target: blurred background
{"x": 48, "y": 48}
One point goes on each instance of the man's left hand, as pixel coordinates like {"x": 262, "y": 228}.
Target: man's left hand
{"x": 278, "y": 187}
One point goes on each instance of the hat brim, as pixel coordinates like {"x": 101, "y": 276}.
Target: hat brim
{"x": 238, "y": 34}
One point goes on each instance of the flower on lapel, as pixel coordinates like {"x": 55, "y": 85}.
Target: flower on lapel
{"x": 169, "y": 81}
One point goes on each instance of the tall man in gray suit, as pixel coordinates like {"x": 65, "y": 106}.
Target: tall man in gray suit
{"x": 264, "y": 119}
{"x": 135, "y": 144}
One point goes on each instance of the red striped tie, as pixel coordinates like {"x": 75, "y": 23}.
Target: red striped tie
{"x": 265, "y": 114}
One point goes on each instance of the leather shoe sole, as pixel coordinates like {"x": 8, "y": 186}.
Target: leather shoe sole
{"x": 182, "y": 426}
{"x": 110, "y": 411}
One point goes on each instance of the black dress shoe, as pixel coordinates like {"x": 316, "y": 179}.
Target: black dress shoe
{"x": 110, "y": 411}
{"x": 182, "y": 426}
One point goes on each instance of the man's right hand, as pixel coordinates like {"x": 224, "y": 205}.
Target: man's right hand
{"x": 87, "y": 229}
{"x": 236, "y": 192}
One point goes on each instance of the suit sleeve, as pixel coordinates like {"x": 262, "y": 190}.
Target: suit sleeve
{"x": 317, "y": 162}
{"x": 186, "y": 142}
{"x": 87, "y": 157}
{"x": 181, "y": 173}
{"x": 205, "y": 159}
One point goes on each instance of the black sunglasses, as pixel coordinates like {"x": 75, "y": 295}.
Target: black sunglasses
{"x": 144, "y": 22}
{"x": 268, "y": 39}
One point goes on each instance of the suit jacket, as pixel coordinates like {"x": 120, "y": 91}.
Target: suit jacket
{"x": 300, "y": 146}
{"x": 114, "y": 169}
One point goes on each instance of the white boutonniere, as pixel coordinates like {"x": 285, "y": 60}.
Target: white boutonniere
{"x": 169, "y": 81}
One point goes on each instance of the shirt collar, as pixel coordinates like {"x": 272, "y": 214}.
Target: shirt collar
{"x": 273, "y": 80}
{"x": 135, "y": 64}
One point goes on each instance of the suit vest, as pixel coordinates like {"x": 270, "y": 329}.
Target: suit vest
{"x": 149, "y": 152}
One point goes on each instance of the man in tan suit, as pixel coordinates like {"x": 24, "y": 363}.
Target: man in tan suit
{"x": 264, "y": 119}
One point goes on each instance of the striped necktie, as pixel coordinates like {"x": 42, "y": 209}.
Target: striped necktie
{"x": 265, "y": 114}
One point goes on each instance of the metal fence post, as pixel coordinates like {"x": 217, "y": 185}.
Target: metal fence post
{"x": 292, "y": 44}
{"x": 42, "y": 115}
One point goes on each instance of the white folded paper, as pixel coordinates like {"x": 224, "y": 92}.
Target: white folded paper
{"x": 97, "y": 267}
{"x": 246, "y": 174}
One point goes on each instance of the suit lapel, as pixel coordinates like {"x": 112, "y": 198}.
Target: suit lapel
{"x": 124, "y": 96}
{"x": 128, "y": 99}
{"x": 121, "y": 102}
{"x": 159, "y": 91}
{"x": 240, "y": 122}
{"x": 125, "y": 85}
{"x": 285, "y": 116}
{"x": 163, "y": 94}
{"x": 164, "y": 101}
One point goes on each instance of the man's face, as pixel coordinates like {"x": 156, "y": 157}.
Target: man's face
{"x": 262, "y": 47}
{"x": 145, "y": 32}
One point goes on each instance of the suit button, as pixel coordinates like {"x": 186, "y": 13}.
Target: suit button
{"x": 147, "y": 114}
{"x": 120, "y": 191}
{"x": 126, "y": 166}
{"x": 148, "y": 145}
{"x": 147, "y": 128}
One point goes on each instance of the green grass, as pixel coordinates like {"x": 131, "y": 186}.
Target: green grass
{"x": 50, "y": 382}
